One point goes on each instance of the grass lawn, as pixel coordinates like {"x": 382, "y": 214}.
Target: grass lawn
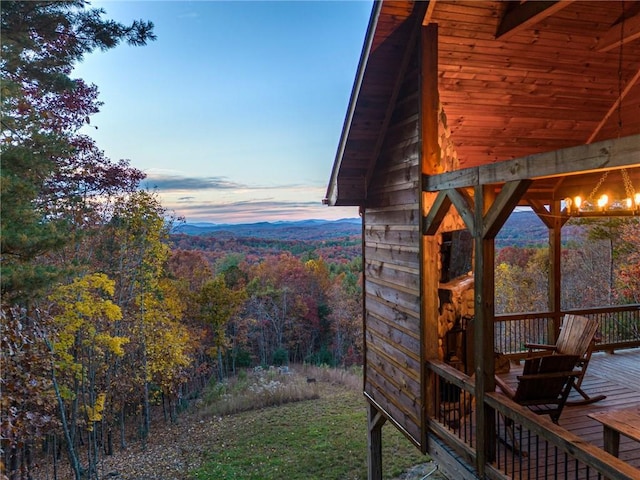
{"x": 325, "y": 438}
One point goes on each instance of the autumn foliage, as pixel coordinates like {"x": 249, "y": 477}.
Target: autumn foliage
{"x": 103, "y": 322}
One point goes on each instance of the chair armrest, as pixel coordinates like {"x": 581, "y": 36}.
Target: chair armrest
{"x": 506, "y": 389}
{"x": 540, "y": 346}
{"x": 550, "y": 375}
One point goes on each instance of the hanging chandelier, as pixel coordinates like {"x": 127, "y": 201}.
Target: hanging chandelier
{"x": 608, "y": 203}
{"x": 605, "y": 204}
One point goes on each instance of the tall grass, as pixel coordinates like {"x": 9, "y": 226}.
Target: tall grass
{"x": 351, "y": 378}
{"x": 255, "y": 389}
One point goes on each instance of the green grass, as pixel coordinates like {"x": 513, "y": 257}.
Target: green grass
{"x": 325, "y": 438}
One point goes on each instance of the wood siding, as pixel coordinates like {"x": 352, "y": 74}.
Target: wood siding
{"x": 392, "y": 268}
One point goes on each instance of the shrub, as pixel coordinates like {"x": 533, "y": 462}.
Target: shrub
{"x": 281, "y": 357}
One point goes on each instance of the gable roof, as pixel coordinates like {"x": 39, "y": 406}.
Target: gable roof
{"x": 515, "y": 79}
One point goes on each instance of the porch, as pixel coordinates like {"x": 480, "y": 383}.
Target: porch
{"x": 573, "y": 450}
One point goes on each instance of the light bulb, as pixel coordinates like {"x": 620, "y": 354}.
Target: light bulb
{"x": 577, "y": 202}
{"x": 602, "y": 201}
{"x": 568, "y": 202}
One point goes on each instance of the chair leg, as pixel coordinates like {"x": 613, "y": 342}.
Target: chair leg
{"x": 586, "y": 398}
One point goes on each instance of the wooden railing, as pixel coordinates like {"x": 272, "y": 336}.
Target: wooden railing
{"x": 619, "y": 328}
{"x": 524, "y": 445}
{"x": 532, "y": 447}
{"x": 453, "y": 417}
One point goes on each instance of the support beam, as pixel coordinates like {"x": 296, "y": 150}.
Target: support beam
{"x": 440, "y": 208}
{"x": 555, "y": 250}
{"x": 616, "y": 153}
{"x": 483, "y": 335}
{"x": 437, "y": 212}
{"x": 546, "y": 216}
{"x": 464, "y": 206}
{"x": 525, "y": 15}
{"x": 615, "y": 106}
{"x": 374, "y": 442}
{"x": 623, "y": 32}
{"x": 429, "y": 245}
{"x": 429, "y": 13}
{"x": 507, "y": 200}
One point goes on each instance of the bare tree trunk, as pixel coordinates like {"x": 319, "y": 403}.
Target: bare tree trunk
{"x": 220, "y": 366}
{"x": 146, "y": 420}
{"x": 123, "y": 438}
{"x": 73, "y": 457}
{"x": 55, "y": 457}
{"x": 13, "y": 463}
{"x": 108, "y": 448}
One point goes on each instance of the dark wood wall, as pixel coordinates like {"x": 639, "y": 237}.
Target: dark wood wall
{"x": 392, "y": 268}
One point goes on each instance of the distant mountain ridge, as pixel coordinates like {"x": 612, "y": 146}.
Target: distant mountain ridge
{"x": 523, "y": 228}
{"x": 299, "y": 230}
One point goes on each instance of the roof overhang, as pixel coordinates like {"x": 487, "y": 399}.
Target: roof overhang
{"x": 516, "y": 79}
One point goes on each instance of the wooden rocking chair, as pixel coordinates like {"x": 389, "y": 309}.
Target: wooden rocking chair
{"x": 544, "y": 385}
{"x": 577, "y": 337}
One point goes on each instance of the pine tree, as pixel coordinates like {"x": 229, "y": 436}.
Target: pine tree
{"x": 42, "y": 109}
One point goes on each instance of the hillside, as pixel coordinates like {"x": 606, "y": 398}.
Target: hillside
{"x": 308, "y": 230}
{"x": 334, "y": 241}
{"x": 525, "y": 229}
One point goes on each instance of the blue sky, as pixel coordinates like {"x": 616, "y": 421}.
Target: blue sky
{"x": 235, "y": 111}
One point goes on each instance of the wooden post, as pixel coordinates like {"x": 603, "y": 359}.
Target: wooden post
{"x": 555, "y": 283}
{"x": 374, "y": 441}
{"x": 430, "y": 165}
{"x": 429, "y": 100}
{"x": 483, "y": 331}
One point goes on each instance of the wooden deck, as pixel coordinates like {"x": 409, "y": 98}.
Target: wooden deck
{"x": 618, "y": 377}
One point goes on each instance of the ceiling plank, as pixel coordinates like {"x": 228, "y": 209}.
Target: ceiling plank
{"x": 525, "y": 15}
{"x": 621, "y": 33}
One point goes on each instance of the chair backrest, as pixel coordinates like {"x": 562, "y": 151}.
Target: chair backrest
{"x": 576, "y": 335}
{"x": 545, "y": 379}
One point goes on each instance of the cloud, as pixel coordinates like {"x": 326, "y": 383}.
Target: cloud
{"x": 171, "y": 182}
{"x": 221, "y": 200}
{"x": 176, "y": 182}
{"x": 250, "y": 211}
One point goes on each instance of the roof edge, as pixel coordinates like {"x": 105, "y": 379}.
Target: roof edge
{"x": 332, "y": 189}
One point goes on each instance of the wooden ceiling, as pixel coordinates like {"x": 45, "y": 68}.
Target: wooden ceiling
{"x": 545, "y": 84}
{"x": 515, "y": 78}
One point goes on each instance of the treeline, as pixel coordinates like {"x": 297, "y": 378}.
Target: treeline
{"x": 600, "y": 266}
{"x": 253, "y": 249}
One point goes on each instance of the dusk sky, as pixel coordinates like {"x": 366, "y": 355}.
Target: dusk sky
{"x": 235, "y": 111}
